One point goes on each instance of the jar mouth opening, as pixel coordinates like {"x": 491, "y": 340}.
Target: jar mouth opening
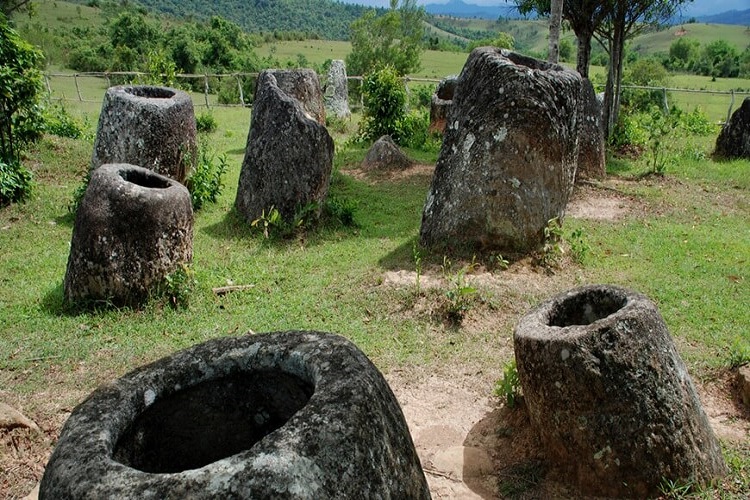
{"x": 210, "y": 421}
{"x": 144, "y": 179}
{"x": 586, "y": 307}
{"x": 151, "y": 92}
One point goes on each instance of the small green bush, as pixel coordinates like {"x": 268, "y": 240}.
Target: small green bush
{"x": 384, "y": 97}
{"x": 206, "y": 182}
{"x": 16, "y": 183}
{"x": 509, "y": 387}
{"x": 206, "y": 123}
{"x": 60, "y": 123}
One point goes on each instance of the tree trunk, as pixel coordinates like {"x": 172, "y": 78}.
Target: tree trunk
{"x": 583, "y": 58}
{"x": 614, "y": 75}
{"x": 555, "y": 20}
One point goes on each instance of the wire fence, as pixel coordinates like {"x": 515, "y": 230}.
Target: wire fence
{"x": 236, "y": 90}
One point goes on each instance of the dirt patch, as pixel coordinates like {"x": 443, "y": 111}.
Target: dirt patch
{"x": 415, "y": 170}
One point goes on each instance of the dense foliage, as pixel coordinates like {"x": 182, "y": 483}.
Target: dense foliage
{"x": 319, "y": 19}
{"x": 717, "y": 58}
{"x": 21, "y": 119}
{"x": 392, "y": 39}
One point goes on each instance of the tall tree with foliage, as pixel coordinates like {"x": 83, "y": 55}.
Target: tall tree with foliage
{"x": 627, "y": 19}
{"x": 20, "y": 115}
{"x": 393, "y": 39}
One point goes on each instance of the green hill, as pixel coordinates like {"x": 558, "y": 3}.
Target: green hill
{"x": 659, "y": 41}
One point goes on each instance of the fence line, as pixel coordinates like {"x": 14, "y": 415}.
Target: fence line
{"x": 239, "y": 76}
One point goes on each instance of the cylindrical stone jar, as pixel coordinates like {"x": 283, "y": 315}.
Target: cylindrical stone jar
{"x": 610, "y": 396}
{"x": 132, "y": 229}
{"x": 294, "y": 415}
{"x": 509, "y": 154}
{"x": 153, "y": 127}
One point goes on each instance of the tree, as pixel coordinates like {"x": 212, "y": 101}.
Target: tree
{"x": 8, "y": 7}
{"x": 393, "y": 39}
{"x": 20, "y": 117}
{"x": 626, "y": 19}
{"x": 683, "y": 53}
{"x": 583, "y": 16}
{"x": 555, "y": 22}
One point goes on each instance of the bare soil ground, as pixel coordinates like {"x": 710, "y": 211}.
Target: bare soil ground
{"x": 470, "y": 445}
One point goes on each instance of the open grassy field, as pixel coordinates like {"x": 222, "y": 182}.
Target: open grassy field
{"x": 682, "y": 239}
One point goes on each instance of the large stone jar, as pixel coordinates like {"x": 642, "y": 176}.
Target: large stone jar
{"x": 609, "y": 395}
{"x": 509, "y": 154}
{"x": 153, "y": 127}
{"x": 132, "y": 229}
{"x": 297, "y": 415}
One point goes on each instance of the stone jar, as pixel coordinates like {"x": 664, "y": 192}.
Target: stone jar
{"x": 609, "y": 395}
{"x": 132, "y": 229}
{"x": 509, "y": 155}
{"x": 153, "y": 127}
{"x": 297, "y": 415}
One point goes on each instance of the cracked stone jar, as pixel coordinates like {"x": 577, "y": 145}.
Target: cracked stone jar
{"x": 299, "y": 415}
{"x": 610, "y": 397}
{"x": 153, "y": 127}
{"x": 133, "y": 228}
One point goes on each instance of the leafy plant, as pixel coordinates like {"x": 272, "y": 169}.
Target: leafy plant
{"x": 552, "y": 249}
{"x": 340, "y": 211}
{"x": 384, "y": 98}
{"x": 206, "y": 123}
{"x": 268, "y": 222}
{"x": 659, "y": 127}
{"x": 500, "y": 262}
{"x": 206, "y": 182}
{"x": 178, "y": 286}
{"x": 57, "y": 121}
{"x": 460, "y": 293}
{"x": 579, "y": 248}
{"x": 509, "y": 387}
{"x": 15, "y": 183}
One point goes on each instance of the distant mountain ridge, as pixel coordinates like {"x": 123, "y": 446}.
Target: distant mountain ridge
{"x": 738, "y": 17}
{"x": 458, "y": 8}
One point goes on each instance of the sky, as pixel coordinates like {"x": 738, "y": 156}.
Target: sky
{"x": 695, "y": 8}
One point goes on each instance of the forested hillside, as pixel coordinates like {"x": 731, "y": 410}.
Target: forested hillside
{"x": 315, "y": 18}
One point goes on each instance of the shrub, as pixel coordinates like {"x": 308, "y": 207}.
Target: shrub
{"x": 206, "y": 123}
{"x": 206, "y": 183}
{"x": 15, "y": 183}
{"x": 384, "y": 97}
{"x": 60, "y": 123}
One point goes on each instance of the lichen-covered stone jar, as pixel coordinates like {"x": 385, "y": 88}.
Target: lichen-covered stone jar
{"x": 610, "y": 396}
{"x": 298, "y": 415}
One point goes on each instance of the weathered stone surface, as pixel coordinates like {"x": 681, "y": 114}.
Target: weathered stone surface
{"x": 299, "y": 415}
{"x": 336, "y": 92}
{"x": 743, "y": 381}
{"x": 303, "y": 85}
{"x": 132, "y": 229}
{"x": 288, "y": 158}
{"x": 509, "y": 154}
{"x": 384, "y": 154}
{"x": 152, "y": 127}
{"x": 734, "y": 138}
{"x": 441, "y": 102}
{"x": 609, "y": 395}
{"x": 591, "y": 155}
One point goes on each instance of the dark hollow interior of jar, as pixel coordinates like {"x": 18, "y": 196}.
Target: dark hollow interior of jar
{"x": 211, "y": 420}
{"x": 151, "y": 92}
{"x": 144, "y": 179}
{"x": 586, "y": 307}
